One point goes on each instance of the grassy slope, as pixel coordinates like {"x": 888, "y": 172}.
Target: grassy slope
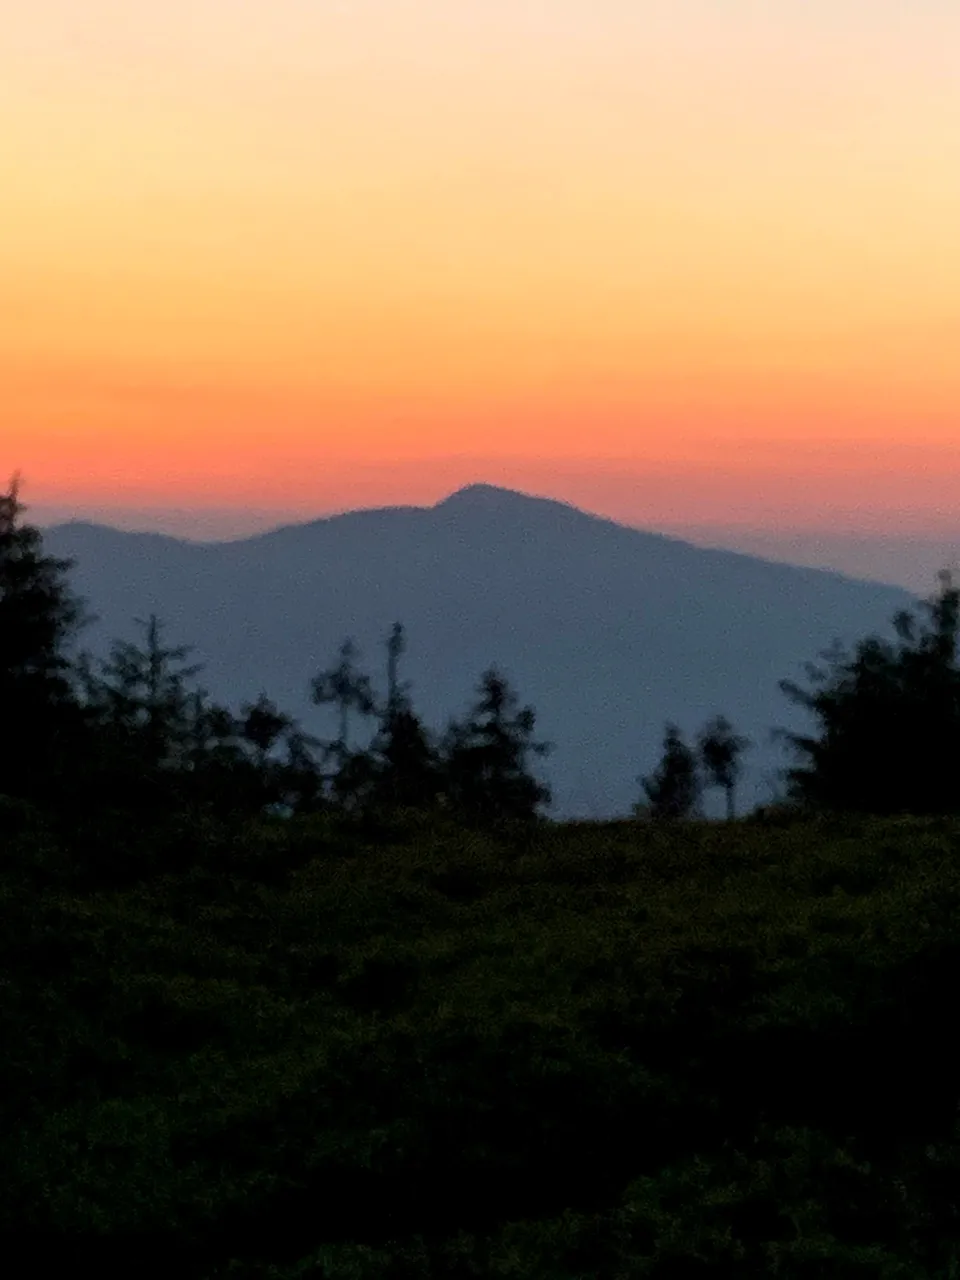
{"x": 612, "y": 1051}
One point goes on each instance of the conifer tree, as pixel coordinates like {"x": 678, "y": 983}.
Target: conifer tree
{"x": 405, "y": 759}
{"x": 144, "y": 695}
{"x": 396, "y": 647}
{"x": 348, "y": 689}
{"x": 286, "y": 771}
{"x": 887, "y": 718}
{"x": 39, "y": 619}
{"x": 720, "y": 750}
{"x": 673, "y": 790}
{"x": 215, "y": 771}
{"x": 487, "y": 757}
{"x": 264, "y": 726}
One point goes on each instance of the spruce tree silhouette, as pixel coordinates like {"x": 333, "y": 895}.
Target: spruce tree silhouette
{"x": 486, "y": 757}
{"x": 396, "y": 648}
{"x": 673, "y": 790}
{"x": 144, "y": 694}
{"x": 347, "y": 689}
{"x": 720, "y": 750}
{"x": 39, "y": 618}
{"x": 286, "y": 770}
{"x": 406, "y": 762}
{"x": 147, "y": 721}
{"x": 888, "y": 719}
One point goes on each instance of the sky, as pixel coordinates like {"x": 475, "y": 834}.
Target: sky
{"x": 683, "y": 262}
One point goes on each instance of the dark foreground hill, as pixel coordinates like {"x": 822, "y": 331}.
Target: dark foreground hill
{"x": 608, "y": 631}
{"x": 605, "y": 1052}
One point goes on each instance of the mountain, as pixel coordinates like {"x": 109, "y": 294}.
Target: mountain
{"x": 911, "y": 561}
{"x": 608, "y": 631}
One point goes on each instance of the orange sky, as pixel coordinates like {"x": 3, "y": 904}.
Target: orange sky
{"x": 675, "y": 260}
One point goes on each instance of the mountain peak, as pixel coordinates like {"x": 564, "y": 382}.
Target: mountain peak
{"x": 474, "y": 494}
{"x": 492, "y": 498}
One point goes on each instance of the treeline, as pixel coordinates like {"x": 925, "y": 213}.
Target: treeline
{"x": 137, "y": 732}
{"x": 885, "y": 737}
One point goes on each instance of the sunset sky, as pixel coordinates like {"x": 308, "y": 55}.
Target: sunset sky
{"x": 679, "y": 261}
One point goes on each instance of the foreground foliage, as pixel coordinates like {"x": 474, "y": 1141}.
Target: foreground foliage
{"x": 586, "y": 1051}
{"x": 887, "y": 717}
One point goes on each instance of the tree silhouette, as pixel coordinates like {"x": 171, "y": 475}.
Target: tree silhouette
{"x": 396, "y": 648}
{"x": 888, "y": 719}
{"x": 720, "y": 750}
{"x": 300, "y": 775}
{"x": 264, "y": 726}
{"x": 215, "y": 734}
{"x": 39, "y": 618}
{"x": 486, "y": 757}
{"x": 144, "y": 694}
{"x": 673, "y": 790}
{"x": 407, "y": 766}
{"x": 346, "y": 688}
{"x": 214, "y": 771}
{"x": 245, "y": 764}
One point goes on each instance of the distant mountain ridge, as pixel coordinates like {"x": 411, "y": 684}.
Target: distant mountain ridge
{"x": 607, "y": 630}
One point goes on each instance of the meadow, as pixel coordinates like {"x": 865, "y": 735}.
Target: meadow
{"x": 316, "y": 1049}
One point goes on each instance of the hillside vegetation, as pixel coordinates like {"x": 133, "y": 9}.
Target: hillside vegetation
{"x": 607, "y": 631}
{"x": 284, "y": 1008}
{"x": 307, "y": 1049}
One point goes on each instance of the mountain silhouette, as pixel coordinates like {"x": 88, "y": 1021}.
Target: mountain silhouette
{"x": 608, "y": 631}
